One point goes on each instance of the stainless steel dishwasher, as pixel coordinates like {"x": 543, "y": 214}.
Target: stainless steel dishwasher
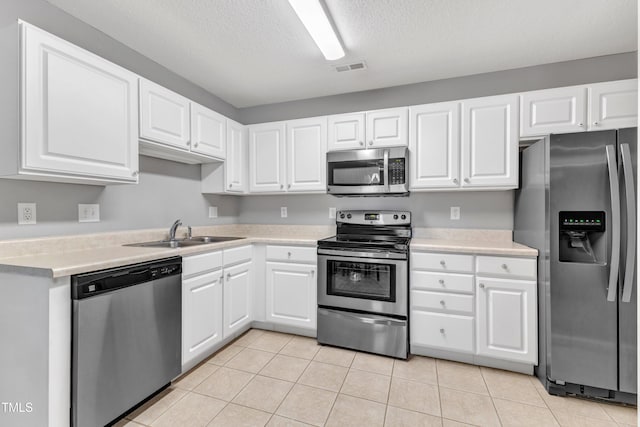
{"x": 126, "y": 341}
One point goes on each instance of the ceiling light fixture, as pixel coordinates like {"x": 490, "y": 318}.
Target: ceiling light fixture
{"x": 316, "y": 21}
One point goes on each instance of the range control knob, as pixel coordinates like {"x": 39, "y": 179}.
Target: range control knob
{"x": 348, "y": 216}
{"x": 341, "y": 216}
{"x": 395, "y": 216}
{"x": 403, "y": 216}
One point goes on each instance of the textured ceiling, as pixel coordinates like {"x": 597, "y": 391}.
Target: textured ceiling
{"x": 253, "y": 52}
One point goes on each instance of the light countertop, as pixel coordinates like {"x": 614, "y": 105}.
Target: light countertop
{"x": 67, "y": 255}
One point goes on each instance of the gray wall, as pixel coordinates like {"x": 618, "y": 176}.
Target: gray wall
{"x": 167, "y": 191}
{"x": 590, "y": 70}
{"x": 479, "y": 209}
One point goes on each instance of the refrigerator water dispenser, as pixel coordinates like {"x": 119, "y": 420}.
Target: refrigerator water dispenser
{"x": 582, "y": 237}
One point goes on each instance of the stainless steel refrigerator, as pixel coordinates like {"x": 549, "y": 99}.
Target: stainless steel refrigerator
{"x": 577, "y": 205}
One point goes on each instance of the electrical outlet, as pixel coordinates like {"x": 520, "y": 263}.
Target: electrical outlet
{"x": 26, "y": 213}
{"x": 283, "y": 212}
{"x": 88, "y": 213}
{"x": 213, "y": 212}
{"x": 455, "y": 213}
{"x": 332, "y": 212}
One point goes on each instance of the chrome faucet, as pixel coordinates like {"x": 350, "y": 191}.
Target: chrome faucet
{"x": 172, "y": 230}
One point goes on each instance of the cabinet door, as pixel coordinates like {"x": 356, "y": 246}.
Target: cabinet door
{"x": 559, "y": 110}
{"x": 209, "y": 132}
{"x": 236, "y": 164}
{"x": 507, "y": 319}
{"x": 164, "y": 116}
{"x": 346, "y": 132}
{"x": 613, "y": 105}
{"x": 291, "y": 294}
{"x": 434, "y": 139}
{"x": 307, "y": 154}
{"x": 388, "y": 128}
{"x": 79, "y": 111}
{"x": 201, "y": 314}
{"x": 237, "y": 298}
{"x": 267, "y": 157}
{"x": 490, "y": 142}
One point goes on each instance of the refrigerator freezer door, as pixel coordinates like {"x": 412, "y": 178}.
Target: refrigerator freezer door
{"x": 627, "y": 306}
{"x": 583, "y": 324}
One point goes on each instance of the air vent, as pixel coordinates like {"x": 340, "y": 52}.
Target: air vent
{"x": 351, "y": 67}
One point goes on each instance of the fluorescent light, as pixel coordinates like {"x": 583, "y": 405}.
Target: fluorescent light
{"x": 317, "y": 24}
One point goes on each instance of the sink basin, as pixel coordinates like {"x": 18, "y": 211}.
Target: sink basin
{"x": 181, "y": 243}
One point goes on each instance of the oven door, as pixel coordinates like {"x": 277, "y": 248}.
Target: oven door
{"x": 376, "y": 285}
{"x": 358, "y": 172}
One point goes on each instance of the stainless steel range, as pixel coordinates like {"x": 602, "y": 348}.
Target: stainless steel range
{"x": 363, "y": 283}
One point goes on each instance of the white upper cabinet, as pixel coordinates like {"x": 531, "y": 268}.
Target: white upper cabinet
{"x": 613, "y": 105}
{"x": 306, "y": 154}
{"x": 434, "y": 140}
{"x": 559, "y": 110}
{"x": 79, "y": 114}
{"x": 346, "y": 132}
{"x": 373, "y": 129}
{"x": 267, "y": 157}
{"x": 236, "y": 167}
{"x": 490, "y": 142}
{"x": 164, "y": 116}
{"x": 387, "y": 128}
{"x": 208, "y": 132}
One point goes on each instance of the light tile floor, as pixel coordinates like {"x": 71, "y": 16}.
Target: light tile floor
{"x": 267, "y": 378}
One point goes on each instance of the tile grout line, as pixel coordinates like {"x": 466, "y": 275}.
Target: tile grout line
{"x": 435, "y": 364}
{"x": 484, "y": 381}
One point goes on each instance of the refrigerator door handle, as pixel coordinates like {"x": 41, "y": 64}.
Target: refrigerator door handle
{"x": 630, "y": 192}
{"x": 614, "y": 265}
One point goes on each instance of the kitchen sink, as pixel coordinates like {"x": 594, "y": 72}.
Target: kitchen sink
{"x": 181, "y": 243}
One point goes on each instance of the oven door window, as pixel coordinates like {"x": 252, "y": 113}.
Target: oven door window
{"x": 357, "y": 173}
{"x": 373, "y": 281}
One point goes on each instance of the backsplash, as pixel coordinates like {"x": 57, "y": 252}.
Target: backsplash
{"x": 478, "y": 209}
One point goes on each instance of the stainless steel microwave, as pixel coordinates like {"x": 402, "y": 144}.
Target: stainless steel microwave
{"x": 371, "y": 172}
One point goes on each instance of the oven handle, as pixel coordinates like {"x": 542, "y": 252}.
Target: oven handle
{"x": 356, "y": 254}
{"x": 369, "y": 320}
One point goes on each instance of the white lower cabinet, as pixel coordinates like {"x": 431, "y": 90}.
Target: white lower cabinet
{"x": 475, "y": 308}
{"x": 507, "y": 319}
{"x": 201, "y": 314}
{"x": 291, "y": 291}
{"x": 237, "y": 298}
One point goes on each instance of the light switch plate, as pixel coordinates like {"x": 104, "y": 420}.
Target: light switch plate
{"x": 213, "y": 212}
{"x": 455, "y": 213}
{"x": 26, "y": 213}
{"x": 332, "y": 212}
{"x": 88, "y": 212}
{"x": 283, "y": 212}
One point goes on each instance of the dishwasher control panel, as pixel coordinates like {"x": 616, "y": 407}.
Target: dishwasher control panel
{"x": 99, "y": 282}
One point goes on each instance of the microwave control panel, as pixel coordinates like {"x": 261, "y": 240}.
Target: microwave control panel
{"x": 397, "y": 171}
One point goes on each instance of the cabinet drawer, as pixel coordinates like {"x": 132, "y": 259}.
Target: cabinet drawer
{"x": 502, "y": 266}
{"x": 292, "y": 253}
{"x": 441, "y": 281}
{"x": 442, "y": 301}
{"x": 201, "y": 263}
{"x": 442, "y": 262}
{"x": 445, "y": 331}
{"x": 237, "y": 255}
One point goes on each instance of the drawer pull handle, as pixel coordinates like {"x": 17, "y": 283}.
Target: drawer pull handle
{"x": 442, "y": 263}
{"x": 505, "y": 267}
{"x": 482, "y": 285}
{"x": 441, "y": 281}
{"x": 442, "y": 330}
{"x": 442, "y": 303}
{"x": 228, "y": 276}
{"x": 288, "y": 254}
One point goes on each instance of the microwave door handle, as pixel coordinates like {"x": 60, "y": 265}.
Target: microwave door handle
{"x": 386, "y": 170}
{"x": 630, "y": 192}
{"x": 614, "y": 187}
